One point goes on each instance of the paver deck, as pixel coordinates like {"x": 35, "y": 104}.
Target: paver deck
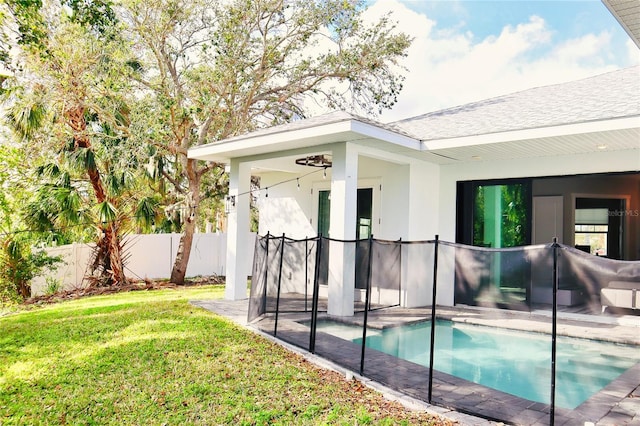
{"x": 618, "y": 403}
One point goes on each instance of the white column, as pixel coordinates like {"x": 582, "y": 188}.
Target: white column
{"x": 421, "y": 224}
{"x": 238, "y": 232}
{"x": 342, "y": 257}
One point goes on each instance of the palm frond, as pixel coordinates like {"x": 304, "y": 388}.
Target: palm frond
{"x": 146, "y": 211}
{"x": 106, "y": 212}
{"x": 26, "y": 119}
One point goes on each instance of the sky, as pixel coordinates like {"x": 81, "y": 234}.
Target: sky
{"x": 469, "y": 50}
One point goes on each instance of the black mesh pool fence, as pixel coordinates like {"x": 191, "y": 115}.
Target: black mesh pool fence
{"x": 445, "y": 356}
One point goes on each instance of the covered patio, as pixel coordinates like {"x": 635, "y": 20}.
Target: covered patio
{"x": 368, "y": 171}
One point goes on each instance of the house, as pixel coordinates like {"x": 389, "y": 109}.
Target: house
{"x": 566, "y": 156}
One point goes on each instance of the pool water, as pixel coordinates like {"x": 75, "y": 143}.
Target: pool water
{"x": 518, "y": 363}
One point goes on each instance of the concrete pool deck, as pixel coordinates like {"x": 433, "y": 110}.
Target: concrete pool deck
{"x": 454, "y": 398}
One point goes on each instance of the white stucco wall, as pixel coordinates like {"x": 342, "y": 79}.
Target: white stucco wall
{"x": 295, "y": 212}
{"x": 404, "y": 206}
{"x": 286, "y": 209}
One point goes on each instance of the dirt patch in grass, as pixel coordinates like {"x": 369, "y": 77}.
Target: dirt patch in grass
{"x": 143, "y": 285}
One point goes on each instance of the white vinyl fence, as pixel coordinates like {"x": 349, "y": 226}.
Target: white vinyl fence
{"x": 148, "y": 256}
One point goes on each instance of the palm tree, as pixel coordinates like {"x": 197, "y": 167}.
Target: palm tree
{"x": 71, "y": 101}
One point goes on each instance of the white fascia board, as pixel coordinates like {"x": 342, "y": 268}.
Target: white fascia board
{"x": 390, "y": 157}
{"x": 277, "y": 141}
{"x": 386, "y": 135}
{"x": 528, "y": 134}
{"x": 343, "y": 131}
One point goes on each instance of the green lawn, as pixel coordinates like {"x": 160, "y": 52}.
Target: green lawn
{"x": 151, "y": 358}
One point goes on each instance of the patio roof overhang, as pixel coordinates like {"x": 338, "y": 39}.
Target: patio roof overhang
{"x": 318, "y": 132}
{"x": 309, "y": 133}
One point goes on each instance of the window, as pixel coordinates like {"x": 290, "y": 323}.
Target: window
{"x": 591, "y": 230}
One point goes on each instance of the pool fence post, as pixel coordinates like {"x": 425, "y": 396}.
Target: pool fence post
{"x": 400, "y": 278}
{"x": 306, "y": 271}
{"x": 433, "y": 315}
{"x": 554, "y": 325}
{"x": 367, "y": 301}
{"x": 275, "y": 328}
{"x": 266, "y": 276}
{"x": 314, "y": 301}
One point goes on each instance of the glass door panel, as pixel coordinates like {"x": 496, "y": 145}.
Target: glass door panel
{"x": 364, "y": 213}
{"x": 364, "y": 221}
{"x": 502, "y": 219}
{"x": 324, "y": 216}
{"x": 363, "y": 231}
{"x": 500, "y": 215}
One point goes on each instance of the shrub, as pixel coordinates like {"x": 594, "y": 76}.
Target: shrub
{"x": 18, "y": 266}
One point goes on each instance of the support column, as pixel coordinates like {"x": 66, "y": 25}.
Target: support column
{"x": 342, "y": 257}
{"x": 238, "y": 232}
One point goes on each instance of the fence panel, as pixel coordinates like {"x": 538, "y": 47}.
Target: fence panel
{"x": 483, "y": 356}
{"x": 148, "y": 256}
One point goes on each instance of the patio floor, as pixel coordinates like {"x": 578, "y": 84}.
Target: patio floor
{"x": 616, "y": 404}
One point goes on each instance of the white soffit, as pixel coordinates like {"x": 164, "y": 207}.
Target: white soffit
{"x": 570, "y": 144}
{"x": 610, "y": 135}
{"x": 535, "y": 133}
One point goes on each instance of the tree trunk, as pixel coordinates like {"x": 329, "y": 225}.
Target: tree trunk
{"x": 116, "y": 271}
{"x": 186, "y": 239}
{"x": 24, "y": 289}
{"x": 109, "y": 249}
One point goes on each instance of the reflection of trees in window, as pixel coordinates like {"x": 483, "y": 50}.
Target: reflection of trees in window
{"x": 511, "y": 209}
{"x": 478, "y": 217}
{"x": 514, "y": 215}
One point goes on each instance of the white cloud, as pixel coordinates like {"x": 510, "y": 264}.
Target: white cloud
{"x": 633, "y": 53}
{"x": 447, "y": 67}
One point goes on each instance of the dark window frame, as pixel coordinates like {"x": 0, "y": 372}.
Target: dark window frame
{"x": 465, "y": 206}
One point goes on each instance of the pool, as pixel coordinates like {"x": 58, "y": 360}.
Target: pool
{"x": 515, "y": 362}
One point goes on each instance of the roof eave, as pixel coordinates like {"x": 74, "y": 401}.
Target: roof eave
{"x": 342, "y": 131}
{"x": 534, "y": 133}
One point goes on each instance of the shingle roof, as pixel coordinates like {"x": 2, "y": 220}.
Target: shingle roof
{"x": 612, "y": 95}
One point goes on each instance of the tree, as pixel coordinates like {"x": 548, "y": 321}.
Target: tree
{"x": 68, "y": 97}
{"x": 18, "y": 262}
{"x": 218, "y": 69}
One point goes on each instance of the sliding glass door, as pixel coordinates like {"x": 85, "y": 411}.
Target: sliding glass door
{"x": 494, "y": 214}
{"x": 364, "y": 221}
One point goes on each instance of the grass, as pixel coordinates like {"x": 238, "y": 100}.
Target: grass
{"x": 151, "y": 358}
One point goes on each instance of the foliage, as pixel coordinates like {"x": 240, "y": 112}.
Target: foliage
{"x": 53, "y": 285}
{"x": 69, "y": 101}
{"x": 114, "y": 94}
{"x": 18, "y": 263}
{"x": 212, "y": 70}
{"x": 12, "y": 184}
{"x": 152, "y": 358}
{"x": 18, "y": 266}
